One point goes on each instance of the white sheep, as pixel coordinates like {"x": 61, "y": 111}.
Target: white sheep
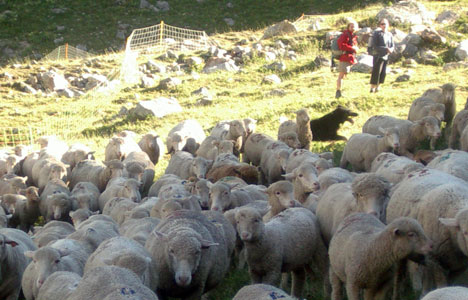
{"x": 301, "y": 127}
{"x": 422, "y": 107}
{"x": 254, "y": 146}
{"x": 52, "y": 231}
{"x": 224, "y": 197}
{"x": 13, "y": 262}
{"x": 305, "y": 180}
{"x": 445, "y": 95}
{"x": 139, "y": 229}
{"x": 152, "y": 144}
{"x": 59, "y": 286}
{"x": 96, "y": 173}
{"x": 453, "y": 162}
{"x": 190, "y": 255}
{"x": 261, "y": 292}
{"x": 119, "y": 147}
{"x": 185, "y": 165}
{"x": 273, "y": 162}
{"x": 300, "y": 156}
{"x": 12, "y": 185}
{"x": 164, "y": 180}
{"x": 25, "y": 210}
{"x": 280, "y": 197}
{"x": 373, "y": 254}
{"x": 86, "y": 195}
{"x": 464, "y": 139}
{"x": 177, "y": 137}
{"x": 290, "y": 138}
{"x": 77, "y": 153}
{"x": 448, "y": 293}
{"x": 393, "y": 167}
{"x": 120, "y": 187}
{"x": 287, "y": 243}
{"x": 459, "y": 123}
{"x": 410, "y": 133}
{"x": 362, "y": 148}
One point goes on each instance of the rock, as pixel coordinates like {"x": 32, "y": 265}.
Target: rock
{"x": 93, "y": 80}
{"x": 455, "y": 65}
{"x": 82, "y": 47}
{"x": 66, "y": 93}
{"x": 59, "y": 10}
{"x": 229, "y": 21}
{"x": 413, "y": 39}
{"x": 123, "y": 111}
{"x": 447, "y": 17}
{"x": 169, "y": 83}
{"x": 60, "y": 28}
{"x": 410, "y": 51}
{"x": 461, "y": 52}
{"x": 322, "y": 61}
{"x": 144, "y": 4}
{"x": 205, "y": 101}
{"x": 6, "y": 76}
{"x": 402, "y": 78}
{"x": 158, "y": 107}
{"x": 52, "y": 81}
{"x": 121, "y": 34}
{"x": 364, "y": 64}
{"x": 410, "y": 63}
{"x": 202, "y": 91}
{"x": 428, "y": 57}
{"x": 397, "y": 53}
{"x": 155, "y": 67}
{"x": 162, "y": 5}
{"x": 276, "y": 66}
{"x": 24, "y": 87}
{"x": 194, "y": 61}
{"x": 277, "y": 93}
{"x": 272, "y": 78}
{"x": 430, "y": 35}
{"x": 282, "y": 28}
{"x": 147, "y": 82}
{"x": 59, "y": 40}
{"x": 398, "y": 35}
{"x": 220, "y": 64}
{"x": 407, "y": 12}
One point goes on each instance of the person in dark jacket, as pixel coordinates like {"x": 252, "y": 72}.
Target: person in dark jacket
{"x": 382, "y": 40}
{"x": 347, "y": 42}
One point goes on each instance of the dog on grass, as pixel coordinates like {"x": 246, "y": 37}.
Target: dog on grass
{"x": 326, "y": 127}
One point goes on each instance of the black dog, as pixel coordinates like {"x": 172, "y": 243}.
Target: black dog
{"x": 326, "y": 127}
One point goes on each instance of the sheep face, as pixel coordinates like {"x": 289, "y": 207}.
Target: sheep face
{"x": 302, "y": 116}
{"x": 60, "y": 204}
{"x": 236, "y": 128}
{"x": 57, "y": 172}
{"x": 460, "y": 225}
{"x": 409, "y": 239}
{"x": 47, "y": 260}
{"x": 200, "y": 167}
{"x": 392, "y": 139}
{"x": 250, "y": 125}
{"x": 249, "y": 224}
{"x": 169, "y": 207}
{"x": 83, "y": 200}
{"x": 430, "y": 126}
{"x": 131, "y": 190}
{"x": 18, "y": 183}
{"x": 307, "y": 176}
{"x": 370, "y": 192}
{"x": 290, "y": 139}
{"x": 283, "y": 192}
{"x": 114, "y": 149}
{"x": 220, "y": 196}
{"x": 114, "y": 169}
{"x": 9, "y": 201}
{"x": 226, "y": 146}
{"x": 203, "y": 191}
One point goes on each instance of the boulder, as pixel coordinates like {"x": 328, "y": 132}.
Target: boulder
{"x": 447, "y": 17}
{"x": 364, "y": 64}
{"x": 272, "y": 79}
{"x": 281, "y": 28}
{"x": 407, "y": 12}
{"x": 455, "y": 65}
{"x": 461, "y": 52}
{"x": 158, "y": 107}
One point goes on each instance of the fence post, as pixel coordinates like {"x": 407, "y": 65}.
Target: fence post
{"x": 161, "y": 33}
{"x": 66, "y": 51}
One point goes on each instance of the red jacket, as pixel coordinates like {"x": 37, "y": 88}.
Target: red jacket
{"x": 343, "y": 44}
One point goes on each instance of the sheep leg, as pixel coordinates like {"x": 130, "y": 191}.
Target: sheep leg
{"x": 273, "y": 277}
{"x": 352, "y": 291}
{"x": 336, "y": 284}
{"x": 298, "y": 279}
{"x": 452, "y": 138}
{"x": 284, "y": 281}
{"x": 432, "y": 142}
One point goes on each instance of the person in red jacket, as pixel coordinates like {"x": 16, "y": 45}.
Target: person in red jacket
{"x": 347, "y": 42}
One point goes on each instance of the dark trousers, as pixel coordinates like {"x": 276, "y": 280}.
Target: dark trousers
{"x": 378, "y": 70}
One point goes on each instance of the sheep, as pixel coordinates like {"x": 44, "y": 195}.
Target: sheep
{"x": 139, "y": 166}
{"x": 438, "y": 201}
{"x": 254, "y": 146}
{"x": 59, "y": 286}
{"x": 111, "y": 283}
{"x": 367, "y": 193}
{"x": 57, "y": 207}
{"x": 152, "y": 144}
{"x": 52, "y": 231}
{"x": 305, "y": 181}
{"x": 86, "y": 195}
{"x": 448, "y": 293}
{"x": 410, "y": 133}
{"x": 173, "y": 191}
{"x": 374, "y": 253}
{"x": 423, "y": 106}
{"x": 280, "y": 197}
{"x": 459, "y": 123}
{"x": 362, "y": 148}
{"x": 53, "y": 146}
{"x": 301, "y": 127}
{"x": 77, "y": 153}
{"x": 13, "y": 243}
{"x": 12, "y": 185}
{"x": 94, "y": 172}
{"x": 393, "y": 167}
{"x": 10, "y": 165}
{"x": 142, "y": 210}
{"x": 261, "y": 292}
{"x": 298, "y": 157}
{"x": 273, "y": 162}
{"x": 119, "y": 147}
{"x": 177, "y": 137}
{"x": 118, "y": 209}
{"x": 211, "y": 147}
{"x": 28, "y": 164}
{"x": 225, "y": 227}
{"x": 126, "y": 253}
{"x": 333, "y": 175}
{"x": 164, "y": 180}
{"x": 92, "y": 232}
{"x": 223, "y": 197}
{"x": 180, "y": 241}
{"x": 201, "y": 189}
{"x": 464, "y": 139}
{"x": 4, "y": 218}
{"x": 290, "y": 138}
{"x": 287, "y": 243}
{"x": 231, "y": 130}
{"x": 166, "y": 206}
{"x": 80, "y": 215}
{"x": 61, "y": 255}
{"x": 121, "y": 187}
{"x": 326, "y": 127}
{"x": 139, "y": 229}
{"x": 50, "y": 171}
{"x": 445, "y": 95}
{"x": 25, "y": 209}
{"x": 184, "y": 165}
{"x": 453, "y": 162}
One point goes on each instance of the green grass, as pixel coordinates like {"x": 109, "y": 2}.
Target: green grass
{"x": 92, "y": 119}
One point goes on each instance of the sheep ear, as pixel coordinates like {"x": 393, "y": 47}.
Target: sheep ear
{"x": 381, "y": 130}
{"x": 206, "y": 244}
{"x": 397, "y": 232}
{"x": 209, "y": 184}
{"x": 449, "y": 222}
{"x": 29, "y": 254}
{"x": 289, "y": 176}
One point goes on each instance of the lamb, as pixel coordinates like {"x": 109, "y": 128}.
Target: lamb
{"x": 287, "y": 243}
{"x": 166, "y": 206}
{"x": 77, "y": 153}
{"x": 57, "y": 207}
{"x": 261, "y": 292}
{"x": 290, "y": 138}
{"x": 300, "y": 127}
{"x": 139, "y": 230}
{"x": 367, "y": 193}
{"x": 429, "y": 196}
{"x": 59, "y": 286}
{"x": 94, "y": 172}
{"x": 121, "y": 187}
{"x": 280, "y": 197}
{"x": 177, "y": 136}
{"x": 80, "y": 215}
{"x": 393, "y": 167}
{"x": 422, "y": 107}
{"x": 254, "y": 146}
{"x": 126, "y": 253}
{"x": 184, "y": 165}
{"x": 201, "y": 189}
{"x": 448, "y": 293}
{"x": 223, "y": 197}
{"x": 111, "y": 283}
{"x": 445, "y": 95}
{"x": 54, "y": 187}
{"x": 326, "y": 127}
{"x": 86, "y": 195}
{"x": 119, "y": 147}
{"x": 61, "y": 255}
{"x": 165, "y": 179}
{"x": 231, "y": 130}
{"x": 243, "y": 171}
{"x": 305, "y": 181}
{"x": 52, "y": 231}
{"x": 12, "y": 185}
{"x": 51, "y": 170}
{"x": 180, "y": 241}
{"x": 13, "y": 243}
{"x": 459, "y": 123}
{"x": 374, "y": 253}
{"x": 273, "y": 162}
{"x": 453, "y": 162}
{"x": 152, "y": 144}
{"x": 363, "y": 148}
{"x": 24, "y": 209}
{"x": 145, "y": 169}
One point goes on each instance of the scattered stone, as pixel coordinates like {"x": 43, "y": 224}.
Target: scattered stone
{"x": 277, "y": 93}
{"x": 59, "y": 10}
{"x": 428, "y": 57}
{"x": 93, "y": 80}
{"x": 398, "y": 35}
{"x": 271, "y": 79}
{"x": 6, "y": 76}
{"x": 276, "y": 66}
{"x": 194, "y": 61}
{"x": 52, "y": 81}
{"x": 413, "y": 39}
{"x": 158, "y": 107}
{"x": 60, "y": 28}
{"x": 155, "y": 67}
{"x": 455, "y": 65}
{"x": 410, "y": 63}
{"x": 202, "y": 91}
{"x": 147, "y": 82}
{"x": 123, "y": 111}
{"x": 205, "y": 101}
{"x": 402, "y": 78}
{"x": 121, "y": 34}
{"x": 322, "y": 61}
{"x": 215, "y": 64}
{"x": 169, "y": 83}
{"x": 461, "y": 52}
{"x": 229, "y": 5}
{"x": 229, "y": 21}
{"x": 162, "y": 5}
{"x": 24, "y": 87}
{"x": 144, "y": 4}
{"x": 447, "y": 17}
{"x": 430, "y": 35}
{"x": 364, "y": 64}
{"x": 282, "y": 28}
{"x": 407, "y": 12}
{"x": 410, "y": 51}
{"x": 65, "y": 93}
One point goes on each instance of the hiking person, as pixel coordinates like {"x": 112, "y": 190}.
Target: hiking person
{"x": 347, "y": 42}
{"x": 382, "y": 46}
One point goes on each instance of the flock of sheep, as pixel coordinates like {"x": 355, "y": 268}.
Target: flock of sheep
{"x": 112, "y": 232}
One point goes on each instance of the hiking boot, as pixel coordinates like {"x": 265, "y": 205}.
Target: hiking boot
{"x": 338, "y": 94}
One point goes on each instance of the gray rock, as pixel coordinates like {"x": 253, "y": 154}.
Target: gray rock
{"x": 66, "y": 93}
{"x": 427, "y": 56}
{"x": 407, "y": 12}
{"x": 413, "y": 39}
{"x": 120, "y": 34}
{"x": 194, "y": 61}
{"x": 455, "y": 65}
{"x": 321, "y": 61}
{"x": 281, "y": 28}
{"x": 410, "y": 63}
{"x": 277, "y": 93}
{"x": 123, "y": 111}
{"x": 410, "y": 51}
{"x": 59, "y": 10}
{"x": 276, "y": 66}
{"x": 447, "y": 17}
{"x": 205, "y": 101}
{"x": 402, "y": 78}
{"x": 430, "y": 35}
{"x": 59, "y": 40}
{"x": 271, "y": 79}
{"x": 229, "y": 21}
{"x": 147, "y": 82}
{"x": 202, "y": 91}
{"x": 364, "y": 64}
{"x": 226, "y": 65}
{"x": 144, "y": 4}
{"x": 52, "y": 81}
{"x": 156, "y": 67}
{"x": 158, "y": 107}
{"x": 24, "y": 87}
{"x": 93, "y": 80}
{"x": 162, "y": 5}
{"x": 60, "y": 28}
{"x": 461, "y": 52}
{"x": 169, "y": 83}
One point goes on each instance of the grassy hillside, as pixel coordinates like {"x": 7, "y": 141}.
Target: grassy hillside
{"x": 93, "y": 118}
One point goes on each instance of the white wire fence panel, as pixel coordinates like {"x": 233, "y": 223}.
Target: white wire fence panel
{"x": 66, "y": 52}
